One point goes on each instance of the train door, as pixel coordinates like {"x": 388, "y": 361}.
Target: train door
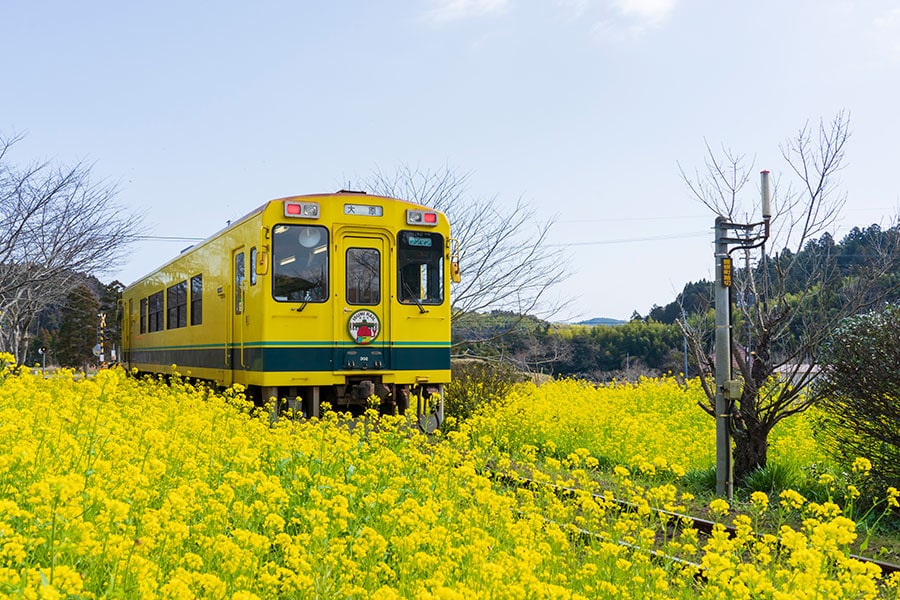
{"x": 127, "y": 329}
{"x": 362, "y": 319}
{"x": 236, "y": 356}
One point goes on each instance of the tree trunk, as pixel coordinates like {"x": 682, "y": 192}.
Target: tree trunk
{"x": 751, "y": 446}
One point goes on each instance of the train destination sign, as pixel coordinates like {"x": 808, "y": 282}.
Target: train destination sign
{"x": 424, "y": 242}
{"x": 365, "y": 210}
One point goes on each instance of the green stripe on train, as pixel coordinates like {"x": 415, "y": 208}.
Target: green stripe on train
{"x": 299, "y": 358}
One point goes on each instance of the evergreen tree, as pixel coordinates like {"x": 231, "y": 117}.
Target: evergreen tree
{"x": 78, "y": 330}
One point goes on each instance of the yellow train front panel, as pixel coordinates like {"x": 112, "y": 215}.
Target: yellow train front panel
{"x": 335, "y": 293}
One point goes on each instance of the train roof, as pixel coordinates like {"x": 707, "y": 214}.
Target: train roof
{"x": 339, "y": 193}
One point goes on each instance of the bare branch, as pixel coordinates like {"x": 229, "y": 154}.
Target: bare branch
{"x": 789, "y": 303}
{"x": 54, "y": 222}
{"x": 506, "y": 262}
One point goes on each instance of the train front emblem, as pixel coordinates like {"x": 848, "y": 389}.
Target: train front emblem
{"x": 363, "y": 326}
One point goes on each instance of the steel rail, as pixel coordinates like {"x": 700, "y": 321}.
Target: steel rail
{"x": 702, "y": 525}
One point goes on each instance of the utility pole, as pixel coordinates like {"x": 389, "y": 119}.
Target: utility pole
{"x": 724, "y": 463}
{"x": 684, "y": 319}
{"x": 729, "y": 237}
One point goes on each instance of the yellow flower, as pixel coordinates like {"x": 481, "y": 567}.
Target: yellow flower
{"x": 792, "y": 499}
{"x": 719, "y": 507}
{"x": 862, "y": 465}
{"x": 892, "y": 495}
{"x": 621, "y": 471}
{"x": 893, "y": 580}
{"x": 826, "y": 510}
{"x": 760, "y": 500}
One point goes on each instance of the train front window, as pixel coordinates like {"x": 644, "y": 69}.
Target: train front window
{"x": 420, "y": 267}
{"x": 363, "y": 276}
{"x": 300, "y": 256}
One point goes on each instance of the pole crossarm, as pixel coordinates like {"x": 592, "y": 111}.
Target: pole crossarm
{"x": 744, "y": 243}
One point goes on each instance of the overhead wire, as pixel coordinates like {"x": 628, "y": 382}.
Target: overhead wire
{"x": 166, "y": 238}
{"x": 652, "y": 238}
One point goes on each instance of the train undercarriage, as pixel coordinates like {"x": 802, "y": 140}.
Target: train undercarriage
{"x": 424, "y": 403}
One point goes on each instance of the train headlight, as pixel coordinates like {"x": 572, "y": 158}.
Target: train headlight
{"x": 421, "y": 217}
{"x": 304, "y": 210}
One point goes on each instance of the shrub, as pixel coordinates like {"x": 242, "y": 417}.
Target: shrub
{"x": 862, "y": 387}
{"x": 475, "y": 382}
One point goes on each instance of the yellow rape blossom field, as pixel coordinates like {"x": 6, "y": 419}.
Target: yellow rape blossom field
{"x": 116, "y": 487}
{"x": 652, "y": 421}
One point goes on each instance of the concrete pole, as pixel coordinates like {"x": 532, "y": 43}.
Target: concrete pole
{"x": 684, "y": 320}
{"x": 724, "y": 464}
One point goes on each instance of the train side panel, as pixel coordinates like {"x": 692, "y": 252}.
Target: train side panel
{"x": 182, "y": 313}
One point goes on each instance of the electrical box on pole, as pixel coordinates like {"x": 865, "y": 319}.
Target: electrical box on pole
{"x": 733, "y": 389}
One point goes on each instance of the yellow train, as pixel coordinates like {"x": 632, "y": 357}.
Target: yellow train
{"x": 329, "y": 297}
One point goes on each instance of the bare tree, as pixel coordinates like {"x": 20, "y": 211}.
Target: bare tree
{"x": 507, "y": 264}
{"x": 788, "y": 304}
{"x": 54, "y": 223}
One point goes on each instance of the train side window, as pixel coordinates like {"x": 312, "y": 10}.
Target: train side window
{"x": 300, "y": 263}
{"x": 420, "y": 267}
{"x": 155, "y": 312}
{"x": 176, "y": 306}
{"x": 143, "y": 315}
{"x": 196, "y": 299}
{"x": 253, "y": 265}
{"x": 363, "y": 276}
{"x": 238, "y": 283}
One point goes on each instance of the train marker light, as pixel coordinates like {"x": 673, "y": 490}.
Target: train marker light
{"x": 305, "y": 210}
{"x": 421, "y": 217}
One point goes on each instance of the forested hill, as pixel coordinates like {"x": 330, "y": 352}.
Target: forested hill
{"x": 857, "y": 252}
{"x": 601, "y": 321}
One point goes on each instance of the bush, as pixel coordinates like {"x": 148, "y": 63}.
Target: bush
{"x": 475, "y": 382}
{"x": 861, "y": 407}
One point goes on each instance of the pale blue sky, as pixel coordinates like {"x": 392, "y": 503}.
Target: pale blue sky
{"x": 202, "y": 111}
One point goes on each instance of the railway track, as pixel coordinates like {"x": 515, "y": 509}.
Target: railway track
{"x": 673, "y": 519}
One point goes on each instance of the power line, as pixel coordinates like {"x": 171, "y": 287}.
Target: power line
{"x": 655, "y": 238}
{"x": 165, "y": 238}
{"x": 627, "y": 219}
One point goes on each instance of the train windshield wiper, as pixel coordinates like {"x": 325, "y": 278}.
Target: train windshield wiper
{"x": 415, "y": 299}
{"x": 307, "y": 293}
